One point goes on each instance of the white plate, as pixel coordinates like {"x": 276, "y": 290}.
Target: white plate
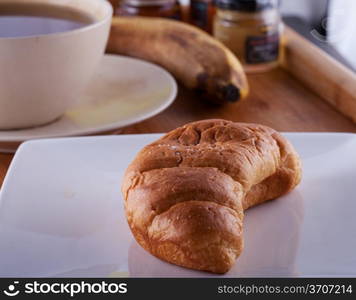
{"x": 61, "y": 213}
{"x": 122, "y": 92}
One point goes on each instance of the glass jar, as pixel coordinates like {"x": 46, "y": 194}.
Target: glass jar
{"x": 202, "y": 14}
{"x": 252, "y": 29}
{"x": 150, "y": 8}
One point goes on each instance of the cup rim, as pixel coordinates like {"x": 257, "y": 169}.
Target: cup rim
{"x": 69, "y": 32}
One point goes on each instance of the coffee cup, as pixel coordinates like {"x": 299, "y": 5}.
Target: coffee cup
{"x": 43, "y": 75}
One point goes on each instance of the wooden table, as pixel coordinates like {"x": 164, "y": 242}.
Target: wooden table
{"x": 276, "y": 99}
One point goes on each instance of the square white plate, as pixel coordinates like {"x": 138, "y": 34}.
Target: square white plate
{"x": 61, "y": 214}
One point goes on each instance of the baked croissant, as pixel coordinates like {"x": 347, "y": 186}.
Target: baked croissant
{"x": 186, "y": 193}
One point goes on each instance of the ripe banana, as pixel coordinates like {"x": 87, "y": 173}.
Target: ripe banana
{"x": 196, "y": 59}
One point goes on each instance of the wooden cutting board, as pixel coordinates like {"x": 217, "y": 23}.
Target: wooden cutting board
{"x": 311, "y": 91}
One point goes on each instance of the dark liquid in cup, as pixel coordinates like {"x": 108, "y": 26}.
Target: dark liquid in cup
{"x": 21, "y": 20}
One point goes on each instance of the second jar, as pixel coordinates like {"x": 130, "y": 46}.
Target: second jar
{"x": 150, "y": 8}
{"x": 252, "y": 29}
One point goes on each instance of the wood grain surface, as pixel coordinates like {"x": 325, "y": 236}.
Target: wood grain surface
{"x": 276, "y": 99}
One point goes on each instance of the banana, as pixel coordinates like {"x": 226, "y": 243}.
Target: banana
{"x": 196, "y": 59}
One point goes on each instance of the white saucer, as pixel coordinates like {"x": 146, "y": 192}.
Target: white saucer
{"x": 124, "y": 91}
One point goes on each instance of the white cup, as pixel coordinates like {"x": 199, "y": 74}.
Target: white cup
{"x": 43, "y": 76}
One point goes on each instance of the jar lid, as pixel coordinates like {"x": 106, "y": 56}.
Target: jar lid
{"x": 245, "y": 5}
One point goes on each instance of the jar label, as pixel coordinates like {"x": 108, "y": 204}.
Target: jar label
{"x": 262, "y": 49}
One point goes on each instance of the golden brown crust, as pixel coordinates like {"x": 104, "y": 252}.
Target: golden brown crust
{"x": 185, "y": 193}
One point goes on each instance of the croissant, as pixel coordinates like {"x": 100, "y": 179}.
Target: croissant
{"x": 185, "y": 194}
